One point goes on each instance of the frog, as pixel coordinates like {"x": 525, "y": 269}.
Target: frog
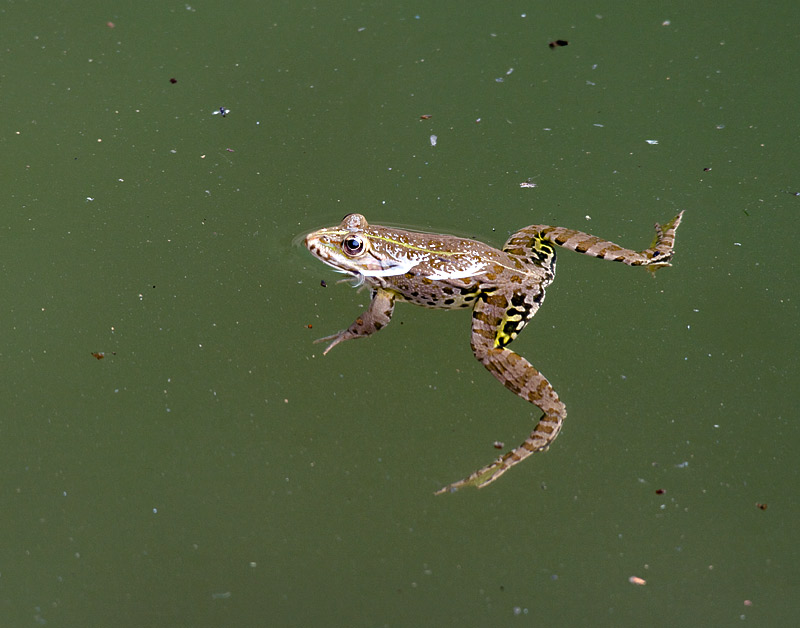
{"x": 504, "y": 288}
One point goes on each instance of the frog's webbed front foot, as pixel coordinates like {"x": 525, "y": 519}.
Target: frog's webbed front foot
{"x": 377, "y": 316}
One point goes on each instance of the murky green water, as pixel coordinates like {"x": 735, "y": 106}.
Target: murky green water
{"x": 212, "y": 469}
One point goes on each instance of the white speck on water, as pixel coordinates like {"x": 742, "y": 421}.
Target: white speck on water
{"x": 433, "y": 140}
{"x": 652, "y": 141}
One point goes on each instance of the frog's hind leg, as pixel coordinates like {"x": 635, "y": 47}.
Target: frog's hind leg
{"x": 496, "y": 321}
{"x": 659, "y": 254}
{"x": 519, "y": 375}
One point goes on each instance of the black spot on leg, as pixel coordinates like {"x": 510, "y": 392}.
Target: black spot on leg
{"x": 518, "y": 300}
{"x": 510, "y": 329}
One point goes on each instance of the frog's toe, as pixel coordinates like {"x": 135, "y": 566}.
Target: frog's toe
{"x": 478, "y": 479}
{"x": 334, "y": 340}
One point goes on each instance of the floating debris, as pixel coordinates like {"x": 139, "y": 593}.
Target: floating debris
{"x": 558, "y": 43}
{"x": 637, "y": 580}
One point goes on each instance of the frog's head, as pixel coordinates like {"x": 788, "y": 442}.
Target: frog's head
{"x": 361, "y": 250}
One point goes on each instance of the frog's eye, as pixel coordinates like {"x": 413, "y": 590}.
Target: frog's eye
{"x": 353, "y": 245}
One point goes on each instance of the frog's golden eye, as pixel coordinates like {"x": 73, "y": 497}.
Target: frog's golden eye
{"x": 353, "y": 245}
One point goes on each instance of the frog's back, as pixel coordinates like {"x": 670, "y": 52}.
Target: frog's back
{"x": 440, "y": 271}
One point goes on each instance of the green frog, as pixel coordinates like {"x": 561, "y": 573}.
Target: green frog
{"x": 503, "y": 287}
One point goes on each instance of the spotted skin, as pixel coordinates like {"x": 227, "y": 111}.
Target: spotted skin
{"x": 504, "y": 288}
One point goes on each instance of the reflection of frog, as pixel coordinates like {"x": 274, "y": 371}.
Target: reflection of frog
{"x": 504, "y": 288}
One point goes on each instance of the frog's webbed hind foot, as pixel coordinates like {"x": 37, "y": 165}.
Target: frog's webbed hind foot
{"x": 663, "y": 246}
{"x": 478, "y": 479}
{"x": 539, "y": 440}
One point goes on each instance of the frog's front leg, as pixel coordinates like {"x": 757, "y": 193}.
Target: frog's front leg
{"x": 490, "y": 335}
{"x": 376, "y": 317}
